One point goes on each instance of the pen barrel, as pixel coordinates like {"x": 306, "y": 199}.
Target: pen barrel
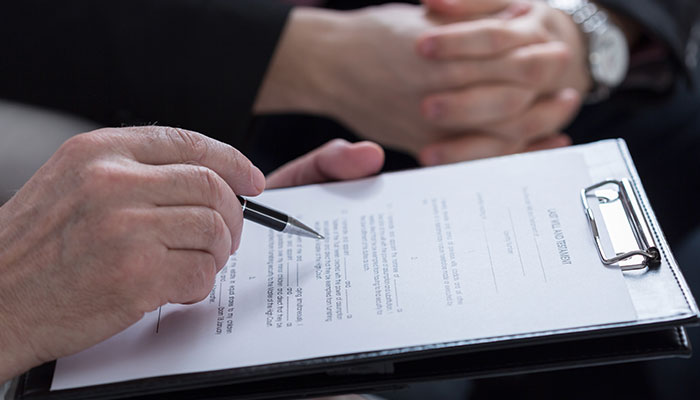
{"x": 265, "y": 216}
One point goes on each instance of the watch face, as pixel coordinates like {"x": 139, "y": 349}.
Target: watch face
{"x": 609, "y": 56}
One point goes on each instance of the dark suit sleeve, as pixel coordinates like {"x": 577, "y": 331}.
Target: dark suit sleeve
{"x": 670, "y": 21}
{"x": 191, "y": 63}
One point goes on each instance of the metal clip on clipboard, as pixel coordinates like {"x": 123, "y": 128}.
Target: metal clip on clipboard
{"x": 646, "y": 254}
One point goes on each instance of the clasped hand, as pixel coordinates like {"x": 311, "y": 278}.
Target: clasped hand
{"x": 449, "y": 81}
{"x": 522, "y": 68}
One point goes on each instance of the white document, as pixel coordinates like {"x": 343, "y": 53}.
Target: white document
{"x": 484, "y": 249}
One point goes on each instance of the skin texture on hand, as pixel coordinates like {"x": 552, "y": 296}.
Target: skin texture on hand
{"x": 117, "y": 223}
{"x": 365, "y": 69}
{"x": 361, "y": 68}
{"x": 121, "y": 221}
{"x": 499, "y": 40}
{"x": 537, "y": 48}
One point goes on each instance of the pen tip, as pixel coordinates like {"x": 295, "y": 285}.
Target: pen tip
{"x": 297, "y": 228}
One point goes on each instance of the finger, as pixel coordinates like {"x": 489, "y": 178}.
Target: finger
{"x": 552, "y": 142}
{"x": 514, "y": 10}
{"x": 538, "y": 66}
{"x": 476, "y": 146}
{"x": 463, "y": 148}
{"x": 479, "y": 38}
{"x": 193, "y": 185}
{"x": 162, "y": 145}
{"x": 191, "y": 228}
{"x": 188, "y": 275}
{"x": 465, "y": 7}
{"x": 335, "y": 160}
{"x": 476, "y": 106}
{"x": 546, "y": 116}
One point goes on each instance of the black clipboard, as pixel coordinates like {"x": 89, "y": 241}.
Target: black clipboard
{"x": 626, "y": 234}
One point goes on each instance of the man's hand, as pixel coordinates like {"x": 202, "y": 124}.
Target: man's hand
{"x": 362, "y": 68}
{"x": 117, "y": 223}
{"x": 478, "y": 145}
{"x": 535, "y": 48}
{"x": 541, "y": 47}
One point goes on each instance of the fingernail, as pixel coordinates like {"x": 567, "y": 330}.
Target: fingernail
{"x": 427, "y": 47}
{"x": 435, "y": 109}
{"x": 570, "y": 94}
{"x": 257, "y": 178}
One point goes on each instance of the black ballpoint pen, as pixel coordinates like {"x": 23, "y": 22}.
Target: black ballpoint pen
{"x": 275, "y": 220}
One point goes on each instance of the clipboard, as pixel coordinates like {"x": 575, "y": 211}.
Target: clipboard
{"x": 626, "y": 235}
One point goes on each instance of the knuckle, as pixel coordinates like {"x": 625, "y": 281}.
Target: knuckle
{"x": 193, "y": 146}
{"x": 194, "y": 282}
{"x": 211, "y": 227}
{"x": 533, "y": 70}
{"x": 80, "y": 145}
{"x": 562, "y": 58}
{"x": 541, "y": 34}
{"x": 213, "y": 190}
{"x": 75, "y": 143}
{"x": 514, "y": 102}
{"x": 239, "y": 161}
{"x": 102, "y": 177}
{"x": 203, "y": 281}
{"x": 496, "y": 37}
{"x": 219, "y": 231}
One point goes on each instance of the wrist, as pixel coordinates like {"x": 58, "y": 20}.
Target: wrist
{"x": 570, "y": 32}
{"x": 300, "y": 77}
{"x": 607, "y": 47}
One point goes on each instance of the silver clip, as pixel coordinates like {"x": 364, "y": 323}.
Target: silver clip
{"x": 635, "y": 217}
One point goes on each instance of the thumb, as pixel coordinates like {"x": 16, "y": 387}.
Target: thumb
{"x": 335, "y": 160}
{"x": 475, "y": 146}
{"x": 461, "y": 8}
{"x": 551, "y": 142}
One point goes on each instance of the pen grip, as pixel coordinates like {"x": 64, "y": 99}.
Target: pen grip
{"x": 263, "y": 215}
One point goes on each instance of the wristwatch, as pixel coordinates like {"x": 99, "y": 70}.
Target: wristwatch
{"x": 608, "y": 51}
